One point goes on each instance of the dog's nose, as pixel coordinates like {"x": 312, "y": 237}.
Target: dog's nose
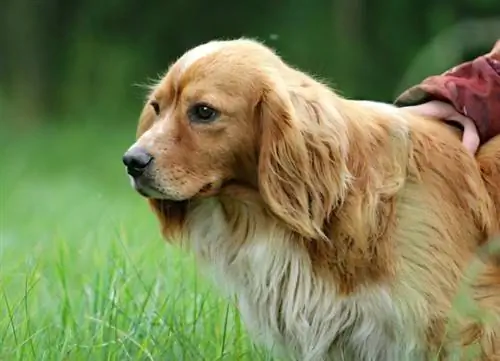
{"x": 136, "y": 160}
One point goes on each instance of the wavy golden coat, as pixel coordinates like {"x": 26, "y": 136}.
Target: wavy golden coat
{"x": 346, "y": 229}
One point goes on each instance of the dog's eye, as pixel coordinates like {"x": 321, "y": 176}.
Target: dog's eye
{"x": 202, "y": 113}
{"x": 156, "y": 106}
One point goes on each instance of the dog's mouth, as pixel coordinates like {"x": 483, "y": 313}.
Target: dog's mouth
{"x": 209, "y": 189}
{"x": 214, "y": 188}
{"x": 148, "y": 190}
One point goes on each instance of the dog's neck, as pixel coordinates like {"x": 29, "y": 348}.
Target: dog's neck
{"x": 275, "y": 275}
{"x": 223, "y": 229}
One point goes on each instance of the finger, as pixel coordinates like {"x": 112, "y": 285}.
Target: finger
{"x": 470, "y": 137}
{"x": 434, "y": 109}
{"x": 470, "y": 140}
{"x": 444, "y": 111}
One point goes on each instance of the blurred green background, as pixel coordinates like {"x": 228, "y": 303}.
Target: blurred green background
{"x": 64, "y": 60}
{"x": 84, "y": 274}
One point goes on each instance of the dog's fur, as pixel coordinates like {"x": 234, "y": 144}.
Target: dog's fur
{"x": 346, "y": 229}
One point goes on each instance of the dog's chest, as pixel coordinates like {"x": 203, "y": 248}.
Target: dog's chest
{"x": 285, "y": 306}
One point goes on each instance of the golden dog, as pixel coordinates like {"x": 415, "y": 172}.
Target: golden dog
{"x": 346, "y": 229}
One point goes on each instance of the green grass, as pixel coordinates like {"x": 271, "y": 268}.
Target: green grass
{"x": 84, "y": 273}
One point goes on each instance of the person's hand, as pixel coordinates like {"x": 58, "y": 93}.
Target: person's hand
{"x": 446, "y": 112}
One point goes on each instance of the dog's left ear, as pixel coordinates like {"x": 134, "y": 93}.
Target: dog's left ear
{"x": 300, "y": 167}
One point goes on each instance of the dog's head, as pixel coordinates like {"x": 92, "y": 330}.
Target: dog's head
{"x": 232, "y": 112}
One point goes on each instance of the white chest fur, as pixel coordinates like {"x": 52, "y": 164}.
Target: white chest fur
{"x": 285, "y": 306}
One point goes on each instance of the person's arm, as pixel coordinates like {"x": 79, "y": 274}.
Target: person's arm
{"x": 468, "y": 91}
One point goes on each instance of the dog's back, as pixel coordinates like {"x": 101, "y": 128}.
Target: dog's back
{"x": 448, "y": 216}
{"x": 473, "y": 248}
{"x": 488, "y": 158}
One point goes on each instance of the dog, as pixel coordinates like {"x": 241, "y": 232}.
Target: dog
{"x": 346, "y": 229}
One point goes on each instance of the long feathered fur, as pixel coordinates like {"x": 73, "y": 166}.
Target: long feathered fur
{"x": 359, "y": 233}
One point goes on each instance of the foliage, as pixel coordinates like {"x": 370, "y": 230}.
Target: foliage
{"x": 61, "y": 59}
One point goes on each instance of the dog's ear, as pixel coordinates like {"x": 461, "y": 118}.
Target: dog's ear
{"x": 302, "y": 172}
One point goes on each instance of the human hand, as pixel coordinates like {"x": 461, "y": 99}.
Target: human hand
{"x": 446, "y": 112}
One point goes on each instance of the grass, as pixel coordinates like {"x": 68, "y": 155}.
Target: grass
{"x": 84, "y": 273}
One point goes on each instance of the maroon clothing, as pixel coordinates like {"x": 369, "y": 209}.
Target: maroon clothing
{"x": 473, "y": 88}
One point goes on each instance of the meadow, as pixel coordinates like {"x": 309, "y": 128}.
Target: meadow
{"x": 84, "y": 273}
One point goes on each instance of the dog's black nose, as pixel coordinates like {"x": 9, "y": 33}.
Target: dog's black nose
{"x": 137, "y": 160}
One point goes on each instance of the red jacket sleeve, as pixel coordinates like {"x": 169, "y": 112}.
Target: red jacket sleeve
{"x": 473, "y": 88}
